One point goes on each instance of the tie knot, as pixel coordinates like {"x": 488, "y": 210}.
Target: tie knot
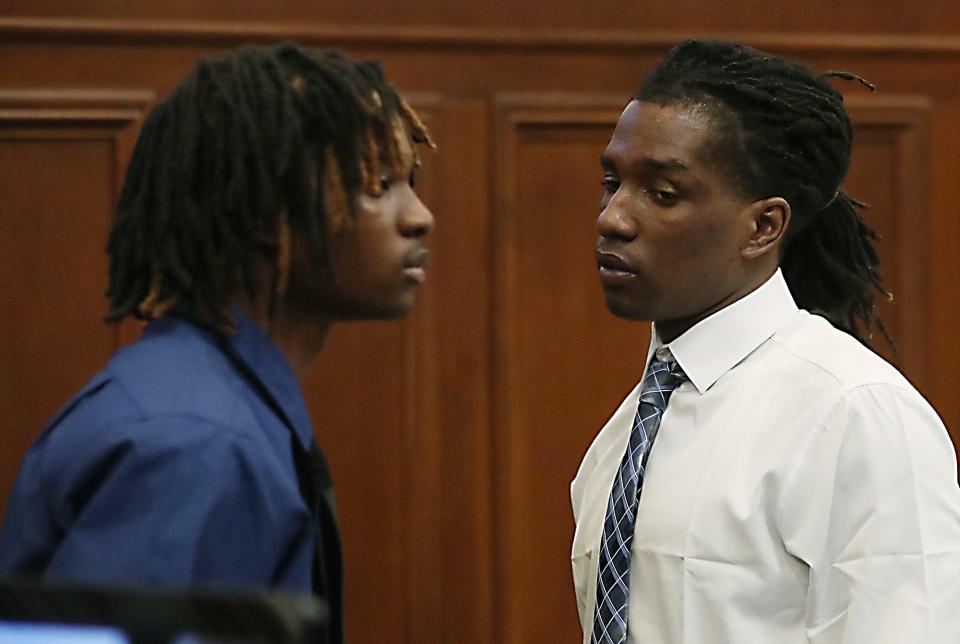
{"x": 662, "y": 378}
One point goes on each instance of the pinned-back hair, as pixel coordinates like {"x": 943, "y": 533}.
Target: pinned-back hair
{"x": 786, "y": 133}
{"x": 258, "y": 141}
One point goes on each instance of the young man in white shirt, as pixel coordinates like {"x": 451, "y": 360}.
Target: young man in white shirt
{"x": 799, "y": 490}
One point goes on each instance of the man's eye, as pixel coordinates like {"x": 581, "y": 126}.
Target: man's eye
{"x": 665, "y": 197}
{"x": 610, "y": 184}
{"x": 385, "y": 183}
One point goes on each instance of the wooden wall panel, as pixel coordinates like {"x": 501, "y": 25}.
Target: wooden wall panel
{"x": 855, "y": 19}
{"x": 888, "y": 172}
{"x": 453, "y": 434}
{"x": 60, "y": 159}
{"x": 401, "y": 410}
{"x": 943, "y": 262}
{"x": 563, "y": 363}
{"x": 357, "y": 401}
{"x": 452, "y": 589}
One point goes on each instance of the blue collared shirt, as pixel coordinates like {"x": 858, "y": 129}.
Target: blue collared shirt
{"x": 168, "y": 469}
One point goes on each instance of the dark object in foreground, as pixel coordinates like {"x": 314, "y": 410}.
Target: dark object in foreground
{"x": 142, "y": 616}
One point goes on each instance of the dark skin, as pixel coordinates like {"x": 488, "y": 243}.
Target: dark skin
{"x": 378, "y": 259}
{"x": 678, "y": 239}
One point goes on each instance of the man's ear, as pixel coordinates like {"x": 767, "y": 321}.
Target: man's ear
{"x": 769, "y": 219}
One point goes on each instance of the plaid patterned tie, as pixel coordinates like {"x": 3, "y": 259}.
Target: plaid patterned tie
{"x": 613, "y": 581}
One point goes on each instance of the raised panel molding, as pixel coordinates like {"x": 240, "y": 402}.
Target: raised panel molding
{"x": 904, "y": 121}
{"x": 514, "y": 114}
{"x": 192, "y": 32}
{"x": 63, "y": 107}
{"x": 73, "y": 196}
{"x": 514, "y": 442}
{"x": 71, "y": 113}
{"x": 67, "y": 114}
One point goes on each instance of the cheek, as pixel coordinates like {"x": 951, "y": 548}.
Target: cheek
{"x": 369, "y": 256}
{"x": 685, "y": 255}
{"x": 709, "y": 259}
{"x": 708, "y": 235}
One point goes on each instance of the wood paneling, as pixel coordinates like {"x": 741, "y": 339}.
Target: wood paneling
{"x": 857, "y": 19}
{"x": 451, "y": 589}
{"x": 943, "y": 263}
{"x": 61, "y": 153}
{"x": 401, "y": 410}
{"x": 888, "y": 172}
{"x": 454, "y": 433}
{"x": 563, "y": 362}
{"x": 398, "y": 35}
{"x": 357, "y": 401}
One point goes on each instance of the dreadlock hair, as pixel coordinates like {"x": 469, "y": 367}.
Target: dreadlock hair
{"x": 261, "y": 139}
{"x": 784, "y": 132}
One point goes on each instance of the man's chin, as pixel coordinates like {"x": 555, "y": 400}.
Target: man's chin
{"x": 392, "y": 310}
{"x": 624, "y": 309}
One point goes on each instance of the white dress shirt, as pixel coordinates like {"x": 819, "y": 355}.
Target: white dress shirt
{"x": 799, "y": 490}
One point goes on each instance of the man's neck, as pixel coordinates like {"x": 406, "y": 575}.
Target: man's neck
{"x": 669, "y": 330}
{"x": 299, "y": 339}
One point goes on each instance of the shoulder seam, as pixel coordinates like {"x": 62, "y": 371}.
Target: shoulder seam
{"x": 143, "y": 416}
{"x": 846, "y": 388}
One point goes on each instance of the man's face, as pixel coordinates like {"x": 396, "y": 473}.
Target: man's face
{"x": 671, "y": 225}
{"x": 378, "y": 256}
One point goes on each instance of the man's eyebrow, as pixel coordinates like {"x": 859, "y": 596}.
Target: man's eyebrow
{"x": 648, "y": 163}
{"x": 663, "y": 164}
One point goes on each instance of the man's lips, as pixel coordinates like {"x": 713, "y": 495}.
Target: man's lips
{"x": 613, "y": 269}
{"x": 417, "y": 258}
{"x": 414, "y": 263}
{"x": 612, "y": 262}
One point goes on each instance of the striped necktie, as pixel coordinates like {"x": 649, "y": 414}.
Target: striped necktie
{"x": 613, "y": 580}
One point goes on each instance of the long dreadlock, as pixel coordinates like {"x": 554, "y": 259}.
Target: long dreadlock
{"x": 784, "y": 132}
{"x": 261, "y": 139}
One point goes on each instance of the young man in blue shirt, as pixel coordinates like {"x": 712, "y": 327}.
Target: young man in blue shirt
{"x": 268, "y": 197}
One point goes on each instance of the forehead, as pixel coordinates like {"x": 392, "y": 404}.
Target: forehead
{"x": 653, "y": 134}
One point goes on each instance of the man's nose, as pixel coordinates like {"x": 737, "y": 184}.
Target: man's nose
{"x": 614, "y": 223}
{"x": 417, "y": 220}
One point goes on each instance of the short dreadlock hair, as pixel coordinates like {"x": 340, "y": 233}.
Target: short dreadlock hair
{"x": 260, "y": 139}
{"x": 784, "y": 132}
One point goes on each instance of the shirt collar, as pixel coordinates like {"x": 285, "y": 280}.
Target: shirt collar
{"x": 718, "y": 343}
{"x": 268, "y": 363}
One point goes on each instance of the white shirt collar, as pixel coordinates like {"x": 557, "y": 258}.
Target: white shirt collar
{"x": 716, "y": 344}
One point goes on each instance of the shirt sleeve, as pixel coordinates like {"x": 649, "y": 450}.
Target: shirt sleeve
{"x": 168, "y": 501}
{"x": 874, "y": 510}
